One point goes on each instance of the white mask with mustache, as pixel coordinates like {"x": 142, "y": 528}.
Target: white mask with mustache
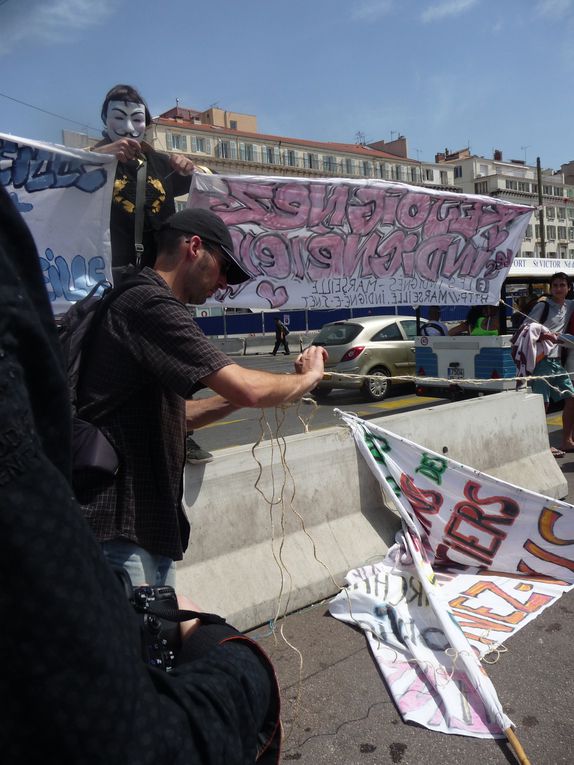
{"x": 125, "y": 120}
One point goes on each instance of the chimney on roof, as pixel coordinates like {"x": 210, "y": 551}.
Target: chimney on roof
{"x": 497, "y": 155}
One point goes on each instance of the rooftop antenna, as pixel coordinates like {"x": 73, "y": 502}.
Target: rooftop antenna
{"x": 359, "y": 138}
{"x": 418, "y": 151}
{"x": 394, "y": 132}
{"x": 523, "y": 148}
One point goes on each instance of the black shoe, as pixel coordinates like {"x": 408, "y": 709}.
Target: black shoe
{"x": 194, "y": 454}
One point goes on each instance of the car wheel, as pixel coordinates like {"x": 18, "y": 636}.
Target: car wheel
{"x": 377, "y": 388}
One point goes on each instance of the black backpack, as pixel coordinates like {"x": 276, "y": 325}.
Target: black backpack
{"x": 91, "y": 450}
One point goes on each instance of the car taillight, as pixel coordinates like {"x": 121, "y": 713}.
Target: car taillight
{"x": 352, "y": 353}
{"x": 495, "y": 374}
{"x": 421, "y": 372}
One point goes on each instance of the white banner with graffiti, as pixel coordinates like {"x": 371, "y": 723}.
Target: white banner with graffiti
{"x": 423, "y": 672}
{"x": 514, "y": 551}
{"x": 64, "y": 195}
{"x": 339, "y": 243}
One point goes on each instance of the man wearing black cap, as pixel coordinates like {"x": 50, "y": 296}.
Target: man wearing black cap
{"x": 147, "y": 359}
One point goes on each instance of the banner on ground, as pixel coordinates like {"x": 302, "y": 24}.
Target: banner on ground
{"x": 64, "y": 195}
{"x": 339, "y": 243}
{"x": 427, "y": 630}
{"x": 423, "y": 672}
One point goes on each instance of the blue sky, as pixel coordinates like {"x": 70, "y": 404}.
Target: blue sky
{"x": 445, "y": 73}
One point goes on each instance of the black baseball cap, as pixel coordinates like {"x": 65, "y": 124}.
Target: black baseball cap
{"x": 212, "y": 230}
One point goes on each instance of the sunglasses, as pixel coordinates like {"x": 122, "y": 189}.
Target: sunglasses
{"x": 219, "y": 256}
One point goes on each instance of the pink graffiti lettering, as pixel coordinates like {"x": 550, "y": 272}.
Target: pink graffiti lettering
{"x": 328, "y": 230}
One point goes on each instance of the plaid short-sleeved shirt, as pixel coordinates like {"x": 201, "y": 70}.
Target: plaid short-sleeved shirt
{"x": 145, "y": 360}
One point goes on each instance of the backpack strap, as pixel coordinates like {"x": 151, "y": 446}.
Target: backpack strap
{"x": 545, "y": 311}
{"x": 432, "y": 325}
{"x": 110, "y": 295}
{"x": 139, "y": 211}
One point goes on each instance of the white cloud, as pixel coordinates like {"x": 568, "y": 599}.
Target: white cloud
{"x": 555, "y": 9}
{"x": 49, "y": 21}
{"x": 373, "y": 10}
{"x": 446, "y": 8}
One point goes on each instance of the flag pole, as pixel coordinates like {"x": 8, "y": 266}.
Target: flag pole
{"x": 517, "y": 746}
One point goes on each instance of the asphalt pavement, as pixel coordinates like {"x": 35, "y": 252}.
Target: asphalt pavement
{"x": 337, "y": 710}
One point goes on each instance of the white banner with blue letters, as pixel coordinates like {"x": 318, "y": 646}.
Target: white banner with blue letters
{"x": 64, "y": 195}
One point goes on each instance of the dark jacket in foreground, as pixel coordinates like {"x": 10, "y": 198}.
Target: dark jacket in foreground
{"x": 72, "y": 687}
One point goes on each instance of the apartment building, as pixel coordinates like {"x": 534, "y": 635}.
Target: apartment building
{"x": 516, "y": 181}
{"x": 229, "y": 143}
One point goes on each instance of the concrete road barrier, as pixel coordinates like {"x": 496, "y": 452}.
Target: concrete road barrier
{"x": 232, "y": 346}
{"x": 244, "y": 552}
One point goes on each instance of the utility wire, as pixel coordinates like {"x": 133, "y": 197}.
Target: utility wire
{"x": 52, "y": 114}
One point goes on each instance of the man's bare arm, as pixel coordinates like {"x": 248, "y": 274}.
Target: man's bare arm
{"x": 255, "y": 388}
{"x": 204, "y": 411}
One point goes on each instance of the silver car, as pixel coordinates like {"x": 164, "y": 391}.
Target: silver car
{"x": 379, "y": 346}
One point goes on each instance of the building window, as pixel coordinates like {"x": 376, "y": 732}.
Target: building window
{"x": 233, "y": 124}
{"x": 429, "y": 174}
{"x": 551, "y": 233}
{"x": 272, "y": 155}
{"x": 329, "y": 163}
{"x": 349, "y": 166}
{"x": 570, "y": 212}
{"x": 444, "y": 178}
{"x": 202, "y": 145}
{"x": 558, "y": 192}
{"x": 179, "y": 206}
{"x": 549, "y": 213}
{"x": 458, "y": 171}
{"x": 366, "y": 167}
{"x": 535, "y": 188}
{"x": 571, "y": 234}
{"x": 528, "y": 234}
{"x": 311, "y": 160}
{"x": 511, "y": 185}
{"x": 481, "y": 187}
{"x": 247, "y": 152}
{"x": 561, "y": 213}
{"x": 177, "y": 141}
{"x": 290, "y": 158}
{"x": 537, "y": 231}
{"x": 523, "y": 186}
{"x": 226, "y": 150}
{"x": 561, "y": 233}
{"x": 547, "y": 190}
{"x": 483, "y": 169}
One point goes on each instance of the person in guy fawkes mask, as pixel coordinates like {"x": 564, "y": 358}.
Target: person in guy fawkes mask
{"x": 126, "y": 116}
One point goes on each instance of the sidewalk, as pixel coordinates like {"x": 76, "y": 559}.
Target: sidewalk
{"x": 337, "y": 711}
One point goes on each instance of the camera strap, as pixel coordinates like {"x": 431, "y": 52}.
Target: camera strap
{"x": 164, "y": 611}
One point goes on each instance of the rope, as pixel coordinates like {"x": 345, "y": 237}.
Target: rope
{"x": 420, "y": 380}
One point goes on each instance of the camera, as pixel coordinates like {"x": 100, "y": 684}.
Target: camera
{"x": 160, "y": 637}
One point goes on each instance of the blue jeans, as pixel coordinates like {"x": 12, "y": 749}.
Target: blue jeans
{"x": 142, "y": 566}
